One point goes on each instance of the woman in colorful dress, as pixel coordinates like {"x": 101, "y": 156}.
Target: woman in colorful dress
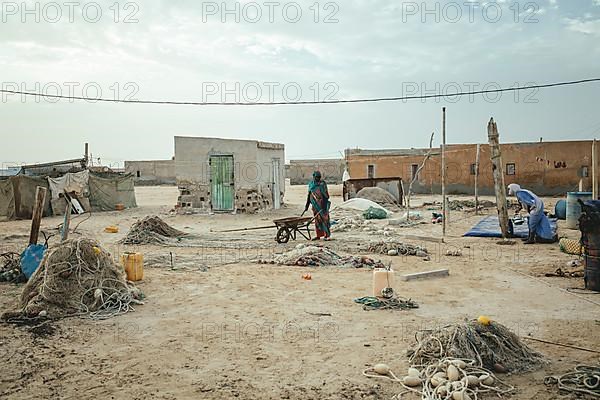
{"x": 318, "y": 198}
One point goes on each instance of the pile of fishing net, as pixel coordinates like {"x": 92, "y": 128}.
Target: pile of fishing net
{"x": 391, "y": 303}
{"x": 79, "y": 277}
{"x": 394, "y": 248}
{"x": 378, "y": 195}
{"x": 152, "y": 230}
{"x": 458, "y": 361}
{"x": 490, "y": 344}
{"x": 316, "y": 256}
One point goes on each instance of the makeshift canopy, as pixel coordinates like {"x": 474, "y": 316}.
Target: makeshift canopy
{"x": 17, "y": 197}
{"x": 71, "y": 182}
{"x": 490, "y": 227}
{"x": 109, "y": 190}
{"x": 7, "y": 200}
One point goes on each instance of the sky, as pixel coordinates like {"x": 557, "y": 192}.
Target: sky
{"x": 249, "y": 51}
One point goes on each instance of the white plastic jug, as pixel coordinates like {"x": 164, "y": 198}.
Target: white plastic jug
{"x": 382, "y": 278}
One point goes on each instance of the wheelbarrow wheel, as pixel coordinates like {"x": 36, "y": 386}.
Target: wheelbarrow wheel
{"x": 283, "y": 235}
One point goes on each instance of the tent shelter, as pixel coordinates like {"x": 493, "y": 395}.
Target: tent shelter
{"x": 108, "y": 190}
{"x": 17, "y": 197}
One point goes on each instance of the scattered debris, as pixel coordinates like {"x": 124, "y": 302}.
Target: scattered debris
{"x": 307, "y": 277}
{"x": 578, "y": 273}
{"x": 39, "y": 326}
{"x": 78, "y": 277}
{"x": 424, "y": 275}
{"x": 152, "y": 230}
{"x": 10, "y": 268}
{"x": 375, "y": 213}
{"x": 393, "y": 303}
{"x": 469, "y": 205}
{"x": 454, "y": 253}
{"x": 585, "y": 379}
{"x": 491, "y": 345}
{"x": 397, "y": 248}
{"x": 111, "y": 229}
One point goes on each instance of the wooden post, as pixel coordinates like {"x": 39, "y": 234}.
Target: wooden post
{"x": 498, "y": 172}
{"x": 476, "y": 179}
{"x": 66, "y": 222}
{"x": 444, "y": 206}
{"x": 38, "y": 211}
{"x": 87, "y": 148}
{"x": 594, "y": 177}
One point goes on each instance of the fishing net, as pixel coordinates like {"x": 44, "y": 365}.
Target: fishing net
{"x": 10, "y": 268}
{"x": 152, "y": 230}
{"x": 492, "y": 346}
{"x": 405, "y": 249}
{"x": 79, "y": 277}
{"x": 583, "y": 380}
{"x": 378, "y": 195}
{"x": 315, "y": 256}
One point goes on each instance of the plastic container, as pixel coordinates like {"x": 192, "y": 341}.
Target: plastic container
{"x": 574, "y": 209}
{"x": 133, "y": 263}
{"x": 560, "y": 209}
{"x": 382, "y": 278}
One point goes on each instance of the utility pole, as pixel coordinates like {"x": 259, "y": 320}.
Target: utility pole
{"x": 477, "y": 179}
{"x": 594, "y": 176}
{"x": 444, "y": 205}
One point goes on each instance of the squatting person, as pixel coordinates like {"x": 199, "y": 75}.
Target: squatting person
{"x": 540, "y": 230}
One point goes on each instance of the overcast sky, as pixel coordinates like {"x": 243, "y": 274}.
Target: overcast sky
{"x": 270, "y": 51}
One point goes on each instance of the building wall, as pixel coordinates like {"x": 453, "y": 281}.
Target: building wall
{"x": 253, "y": 175}
{"x": 300, "y": 171}
{"x": 155, "y": 172}
{"x": 546, "y": 168}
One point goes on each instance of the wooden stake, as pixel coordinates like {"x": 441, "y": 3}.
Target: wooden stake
{"x": 38, "y": 211}
{"x": 594, "y": 176}
{"x": 66, "y": 223}
{"x": 476, "y": 179}
{"x": 498, "y": 172}
{"x": 444, "y": 207}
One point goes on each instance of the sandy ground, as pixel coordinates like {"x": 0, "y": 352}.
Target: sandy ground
{"x": 218, "y": 326}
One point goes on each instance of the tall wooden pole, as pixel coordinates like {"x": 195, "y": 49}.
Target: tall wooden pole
{"x": 477, "y": 179}
{"x": 594, "y": 177}
{"x": 498, "y": 172}
{"x": 38, "y": 211}
{"x": 444, "y": 206}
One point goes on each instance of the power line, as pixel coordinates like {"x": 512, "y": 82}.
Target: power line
{"x": 285, "y": 103}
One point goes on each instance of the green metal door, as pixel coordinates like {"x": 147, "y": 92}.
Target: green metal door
{"x": 222, "y": 184}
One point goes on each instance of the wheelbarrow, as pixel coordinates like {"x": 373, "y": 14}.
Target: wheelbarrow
{"x": 287, "y": 228}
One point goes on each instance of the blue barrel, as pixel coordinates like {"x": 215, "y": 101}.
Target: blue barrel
{"x": 560, "y": 209}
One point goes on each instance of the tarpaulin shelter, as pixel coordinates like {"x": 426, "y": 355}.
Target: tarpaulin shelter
{"x": 17, "y": 202}
{"x": 7, "y": 199}
{"x": 70, "y": 182}
{"x": 108, "y": 190}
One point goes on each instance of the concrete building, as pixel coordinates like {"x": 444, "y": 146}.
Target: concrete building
{"x": 546, "y": 168}
{"x": 299, "y": 172}
{"x": 154, "y": 172}
{"x": 229, "y": 175}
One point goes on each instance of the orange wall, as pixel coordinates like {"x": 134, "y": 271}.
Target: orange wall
{"x": 534, "y": 165}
